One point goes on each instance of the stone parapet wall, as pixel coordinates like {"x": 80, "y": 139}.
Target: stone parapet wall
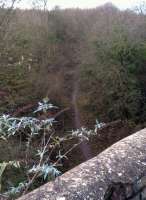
{"x": 114, "y": 172}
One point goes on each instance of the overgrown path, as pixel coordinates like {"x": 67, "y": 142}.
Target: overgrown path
{"x": 85, "y": 148}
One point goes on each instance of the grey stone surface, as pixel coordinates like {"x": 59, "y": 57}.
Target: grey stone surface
{"x": 124, "y": 191}
{"x": 122, "y": 163}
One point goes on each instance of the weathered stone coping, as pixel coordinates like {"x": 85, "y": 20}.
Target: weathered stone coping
{"x": 122, "y": 162}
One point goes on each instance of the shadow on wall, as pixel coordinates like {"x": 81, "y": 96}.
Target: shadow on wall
{"x": 125, "y": 191}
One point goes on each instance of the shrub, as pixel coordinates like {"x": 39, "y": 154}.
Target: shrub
{"x": 40, "y": 132}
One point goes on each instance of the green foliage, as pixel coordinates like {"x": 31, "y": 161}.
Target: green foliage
{"x": 114, "y": 79}
{"x": 44, "y": 106}
{"x": 3, "y": 167}
{"x": 42, "y": 133}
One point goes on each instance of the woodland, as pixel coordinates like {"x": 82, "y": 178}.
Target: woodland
{"x": 85, "y": 67}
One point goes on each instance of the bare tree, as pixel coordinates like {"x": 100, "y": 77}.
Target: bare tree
{"x": 141, "y": 8}
{"x": 40, "y": 4}
{"x": 6, "y": 8}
